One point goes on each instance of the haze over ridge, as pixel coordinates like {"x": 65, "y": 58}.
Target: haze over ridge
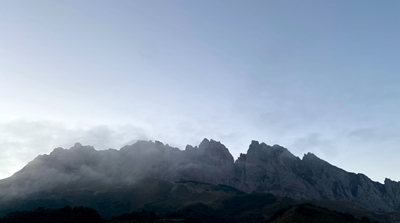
{"x": 262, "y": 169}
{"x": 313, "y": 76}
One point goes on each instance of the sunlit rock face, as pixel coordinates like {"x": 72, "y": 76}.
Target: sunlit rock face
{"x": 264, "y": 168}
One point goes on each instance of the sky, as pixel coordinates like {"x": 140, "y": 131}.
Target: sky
{"x": 312, "y": 76}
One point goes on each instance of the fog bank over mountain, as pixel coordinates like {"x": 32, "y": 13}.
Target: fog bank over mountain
{"x": 23, "y": 140}
{"x": 267, "y": 169}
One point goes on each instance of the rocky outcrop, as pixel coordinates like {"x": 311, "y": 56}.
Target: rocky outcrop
{"x": 275, "y": 170}
{"x": 211, "y": 162}
{"x": 270, "y": 169}
{"x": 264, "y": 168}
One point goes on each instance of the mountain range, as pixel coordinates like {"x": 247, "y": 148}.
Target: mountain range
{"x": 82, "y": 175}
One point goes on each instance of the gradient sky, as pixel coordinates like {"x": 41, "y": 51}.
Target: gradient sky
{"x": 313, "y": 76}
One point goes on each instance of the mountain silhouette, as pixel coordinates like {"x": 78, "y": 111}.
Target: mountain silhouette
{"x": 80, "y": 174}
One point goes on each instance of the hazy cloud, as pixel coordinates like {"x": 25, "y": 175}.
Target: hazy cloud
{"x": 372, "y": 134}
{"x": 316, "y": 143}
{"x": 21, "y": 141}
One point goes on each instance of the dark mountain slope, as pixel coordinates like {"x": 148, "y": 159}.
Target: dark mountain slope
{"x": 183, "y": 201}
{"x": 308, "y": 213}
{"x": 264, "y": 169}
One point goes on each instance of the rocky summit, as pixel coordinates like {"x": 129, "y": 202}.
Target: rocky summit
{"x": 264, "y": 169}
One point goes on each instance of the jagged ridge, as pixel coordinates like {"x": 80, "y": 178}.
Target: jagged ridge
{"x": 263, "y": 168}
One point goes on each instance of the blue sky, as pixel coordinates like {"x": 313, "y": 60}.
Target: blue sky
{"x": 312, "y": 76}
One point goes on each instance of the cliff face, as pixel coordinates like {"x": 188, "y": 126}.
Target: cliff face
{"x": 264, "y": 168}
{"x": 271, "y": 169}
{"x": 275, "y": 170}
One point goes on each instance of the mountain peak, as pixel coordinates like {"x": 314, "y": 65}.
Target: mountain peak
{"x": 254, "y": 147}
{"x": 77, "y": 145}
{"x": 311, "y": 157}
{"x": 254, "y": 143}
{"x": 204, "y": 144}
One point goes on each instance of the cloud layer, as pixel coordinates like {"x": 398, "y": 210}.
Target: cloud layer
{"x": 21, "y": 141}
